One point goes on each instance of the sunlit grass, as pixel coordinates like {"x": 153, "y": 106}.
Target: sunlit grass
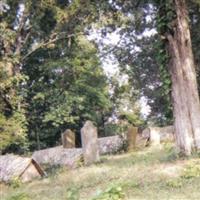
{"x": 144, "y": 174}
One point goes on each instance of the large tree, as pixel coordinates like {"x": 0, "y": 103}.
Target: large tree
{"x": 66, "y": 87}
{"x": 27, "y": 29}
{"x": 186, "y": 105}
{"x": 173, "y": 27}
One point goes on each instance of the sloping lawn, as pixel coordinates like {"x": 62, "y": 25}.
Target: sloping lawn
{"x": 145, "y": 174}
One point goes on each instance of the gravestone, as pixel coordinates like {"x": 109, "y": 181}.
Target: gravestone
{"x": 68, "y": 139}
{"x": 89, "y": 143}
{"x": 111, "y": 144}
{"x": 131, "y": 137}
{"x": 155, "y": 136}
{"x": 146, "y": 136}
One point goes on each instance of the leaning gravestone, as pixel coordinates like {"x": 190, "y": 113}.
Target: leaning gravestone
{"x": 131, "y": 137}
{"x": 89, "y": 143}
{"x": 68, "y": 139}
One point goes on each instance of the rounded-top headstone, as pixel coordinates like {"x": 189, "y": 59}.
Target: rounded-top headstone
{"x": 68, "y": 139}
{"x": 90, "y": 146}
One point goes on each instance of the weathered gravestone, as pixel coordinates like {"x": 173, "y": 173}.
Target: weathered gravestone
{"x": 90, "y": 143}
{"x": 131, "y": 137}
{"x": 68, "y": 139}
{"x": 151, "y": 136}
{"x": 111, "y": 144}
{"x": 156, "y": 135}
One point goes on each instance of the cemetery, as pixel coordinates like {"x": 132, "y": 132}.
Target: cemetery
{"x": 67, "y": 155}
{"x": 99, "y": 100}
{"x": 123, "y": 160}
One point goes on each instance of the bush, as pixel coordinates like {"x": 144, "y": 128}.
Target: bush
{"x": 114, "y": 129}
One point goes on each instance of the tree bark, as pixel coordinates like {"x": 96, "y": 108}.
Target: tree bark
{"x": 186, "y": 104}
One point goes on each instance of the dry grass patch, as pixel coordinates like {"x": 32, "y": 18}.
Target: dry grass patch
{"x": 146, "y": 174}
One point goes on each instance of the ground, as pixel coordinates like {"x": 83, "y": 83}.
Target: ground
{"x": 144, "y": 174}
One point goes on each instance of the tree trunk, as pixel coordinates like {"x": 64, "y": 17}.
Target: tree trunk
{"x": 186, "y": 105}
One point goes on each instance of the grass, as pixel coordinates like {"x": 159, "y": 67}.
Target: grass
{"x": 145, "y": 174}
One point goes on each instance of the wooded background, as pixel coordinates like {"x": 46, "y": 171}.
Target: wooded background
{"x": 51, "y": 74}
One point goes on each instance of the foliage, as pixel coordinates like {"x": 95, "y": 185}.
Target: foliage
{"x": 38, "y": 38}
{"x": 21, "y": 196}
{"x": 111, "y": 129}
{"x": 11, "y": 132}
{"x": 132, "y": 118}
{"x": 74, "y": 90}
{"x": 73, "y": 194}
{"x": 194, "y": 14}
{"x": 191, "y": 171}
{"x": 51, "y": 76}
{"x": 113, "y": 193}
{"x": 15, "y": 182}
{"x": 172, "y": 155}
{"x": 130, "y": 171}
{"x": 141, "y": 57}
{"x": 174, "y": 183}
{"x": 12, "y": 112}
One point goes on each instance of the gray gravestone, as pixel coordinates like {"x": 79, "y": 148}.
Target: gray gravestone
{"x": 68, "y": 139}
{"x": 90, "y": 143}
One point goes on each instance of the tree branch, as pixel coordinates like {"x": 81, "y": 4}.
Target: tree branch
{"x": 49, "y": 41}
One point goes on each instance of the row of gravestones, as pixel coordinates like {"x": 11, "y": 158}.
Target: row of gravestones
{"x": 89, "y": 138}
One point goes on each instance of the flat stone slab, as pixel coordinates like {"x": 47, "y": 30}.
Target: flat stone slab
{"x": 59, "y": 156}
{"x": 110, "y": 145}
{"x": 71, "y": 157}
{"x": 23, "y": 168}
